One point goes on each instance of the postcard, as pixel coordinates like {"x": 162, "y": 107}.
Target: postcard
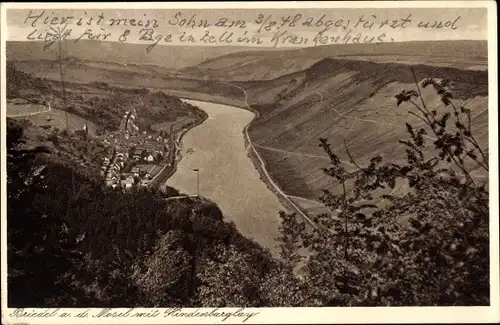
{"x": 249, "y": 162}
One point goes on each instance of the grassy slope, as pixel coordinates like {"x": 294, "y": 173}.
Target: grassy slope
{"x": 56, "y": 118}
{"x": 84, "y": 156}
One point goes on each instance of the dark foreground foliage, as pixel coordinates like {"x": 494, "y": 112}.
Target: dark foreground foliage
{"x": 427, "y": 245}
{"x": 85, "y": 245}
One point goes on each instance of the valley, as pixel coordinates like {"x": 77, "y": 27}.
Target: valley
{"x": 341, "y": 93}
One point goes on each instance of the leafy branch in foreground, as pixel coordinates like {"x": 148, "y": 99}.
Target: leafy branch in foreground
{"x": 427, "y": 245}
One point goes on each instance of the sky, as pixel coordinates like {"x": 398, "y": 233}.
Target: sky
{"x": 464, "y": 24}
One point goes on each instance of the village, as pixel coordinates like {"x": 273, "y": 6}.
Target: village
{"x": 137, "y": 159}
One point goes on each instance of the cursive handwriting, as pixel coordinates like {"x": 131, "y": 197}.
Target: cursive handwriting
{"x": 240, "y": 315}
{"x": 271, "y": 30}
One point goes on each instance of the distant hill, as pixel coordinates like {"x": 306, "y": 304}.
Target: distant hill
{"x": 172, "y": 57}
{"x": 265, "y": 65}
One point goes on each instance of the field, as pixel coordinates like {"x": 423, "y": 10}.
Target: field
{"x": 56, "y": 118}
{"x": 174, "y": 126}
{"x": 20, "y": 107}
{"x": 480, "y": 64}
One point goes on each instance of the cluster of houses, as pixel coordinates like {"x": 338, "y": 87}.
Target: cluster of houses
{"x": 137, "y": 157}
{"x": 112, "y": 167}
{"x": 126, "y": 169}
{"x": 150, "y": 151}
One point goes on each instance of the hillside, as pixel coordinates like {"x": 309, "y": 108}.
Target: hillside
{"x": 351, "y": 100}
{"x": 97, "y": 102}
{"x": 130, "y": 76}
{"x": 131, "y": 68}
{"x": 164, "y": 56}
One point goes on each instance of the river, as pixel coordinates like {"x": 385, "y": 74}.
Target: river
{"x": 227, "y": 175}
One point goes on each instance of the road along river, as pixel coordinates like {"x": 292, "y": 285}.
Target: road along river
{"x": 226, "y": 174}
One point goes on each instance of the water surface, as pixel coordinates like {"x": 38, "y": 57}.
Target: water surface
{"x": 227, "y": 175}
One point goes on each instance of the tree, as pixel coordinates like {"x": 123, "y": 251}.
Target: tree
{"x": 364, "y": 254}
{"x": 164, "y": 279}
{"x": 41, "y": 247}
{"x": 228, "y": 279}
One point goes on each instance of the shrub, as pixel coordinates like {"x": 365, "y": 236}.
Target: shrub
{"x": 366, "y": 254}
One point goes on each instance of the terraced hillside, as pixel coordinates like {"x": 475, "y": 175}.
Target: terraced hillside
{"x": 346, "y": 100}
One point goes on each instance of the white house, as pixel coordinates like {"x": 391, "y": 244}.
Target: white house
{"x": 136, "y": 171}
{"x": 128, "y": 182}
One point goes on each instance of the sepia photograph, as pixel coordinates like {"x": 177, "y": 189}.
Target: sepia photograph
{"x": 183, "y": 163}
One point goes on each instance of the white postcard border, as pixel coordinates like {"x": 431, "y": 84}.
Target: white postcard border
{"x": 289, "y": 315}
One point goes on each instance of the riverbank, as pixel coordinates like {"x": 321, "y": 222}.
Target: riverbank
{"x": 204, "y": 97}
{"x": 171, "y": 166}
